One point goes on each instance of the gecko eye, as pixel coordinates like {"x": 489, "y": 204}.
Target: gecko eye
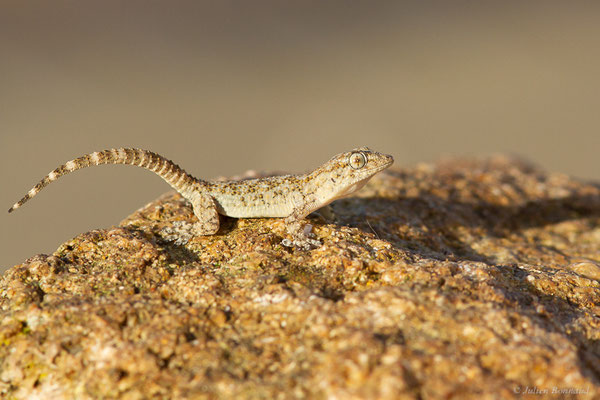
{"x": 357, "y": 160}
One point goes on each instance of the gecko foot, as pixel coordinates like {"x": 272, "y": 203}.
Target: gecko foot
{"x": 302, "y": 238}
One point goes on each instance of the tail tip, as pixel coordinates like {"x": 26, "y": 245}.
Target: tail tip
{"x": 13, "y": 208}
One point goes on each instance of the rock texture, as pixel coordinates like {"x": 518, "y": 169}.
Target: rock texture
{"x": 463, "y": 279}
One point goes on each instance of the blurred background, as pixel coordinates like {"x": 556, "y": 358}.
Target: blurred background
{"x": 225, "y": 86}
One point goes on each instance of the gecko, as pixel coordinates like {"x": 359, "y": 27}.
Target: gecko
{"x": 291, "y": 197}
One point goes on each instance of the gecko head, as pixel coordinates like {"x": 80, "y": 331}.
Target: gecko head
{"x": 348, "y": 172}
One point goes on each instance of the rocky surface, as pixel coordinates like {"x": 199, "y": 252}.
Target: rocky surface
{"x": 463, "y": 279}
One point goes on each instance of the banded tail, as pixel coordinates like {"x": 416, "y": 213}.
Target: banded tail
{"x": 163, "y": 167}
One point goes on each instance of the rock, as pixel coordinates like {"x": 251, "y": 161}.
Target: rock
{"x": 462, "y": 279}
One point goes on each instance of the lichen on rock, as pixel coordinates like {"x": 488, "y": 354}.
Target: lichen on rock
{"x": 461, "y": 279}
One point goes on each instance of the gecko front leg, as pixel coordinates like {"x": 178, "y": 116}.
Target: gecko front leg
{"x": 300, "y": 231}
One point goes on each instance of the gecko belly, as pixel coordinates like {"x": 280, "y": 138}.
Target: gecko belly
{"x": 264, "y": 211}
{"x": 252, "y": 206}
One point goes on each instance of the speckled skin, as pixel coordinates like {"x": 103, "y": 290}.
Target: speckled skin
{"x": 290, "y": 196}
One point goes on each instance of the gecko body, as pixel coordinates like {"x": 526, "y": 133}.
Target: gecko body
{"x": 292, "y": 197}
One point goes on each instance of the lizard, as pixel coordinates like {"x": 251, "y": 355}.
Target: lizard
{"x": 291, "y": 197}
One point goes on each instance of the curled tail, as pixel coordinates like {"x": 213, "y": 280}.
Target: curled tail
{"x": 163, "y": 167}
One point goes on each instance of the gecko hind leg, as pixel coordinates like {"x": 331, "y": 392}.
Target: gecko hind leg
{"x": 205, "y": 210}
{"x": 208, "y": 221}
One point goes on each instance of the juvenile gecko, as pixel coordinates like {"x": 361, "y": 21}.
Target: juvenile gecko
{"x": 292, "y": 197}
